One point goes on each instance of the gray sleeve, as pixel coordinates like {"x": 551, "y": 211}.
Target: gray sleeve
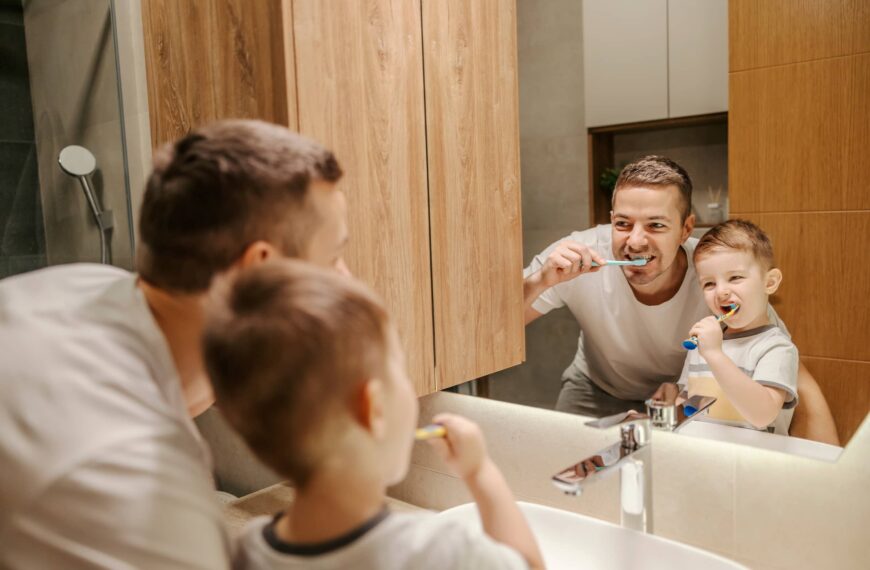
{"x": 778, "y": 368}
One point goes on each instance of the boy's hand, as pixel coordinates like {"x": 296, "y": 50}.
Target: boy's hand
{"x": 567, "y": 261}
{"x": 709, "y": 333}
{"x": 463, "y": 448}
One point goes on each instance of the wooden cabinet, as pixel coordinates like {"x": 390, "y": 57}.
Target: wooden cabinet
{"x": 419, "y": 102}
{"x": 654, "y": 59}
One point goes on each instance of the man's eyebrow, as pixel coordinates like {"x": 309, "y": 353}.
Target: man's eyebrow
{"x": 650, "y": 218}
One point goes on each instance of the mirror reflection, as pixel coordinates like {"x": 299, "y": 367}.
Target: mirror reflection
{"x": 635, "y": 289}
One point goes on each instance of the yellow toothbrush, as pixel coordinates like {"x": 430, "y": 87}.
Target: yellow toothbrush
{"x": 692, "y": 342}
{"x": 430, "y": 431}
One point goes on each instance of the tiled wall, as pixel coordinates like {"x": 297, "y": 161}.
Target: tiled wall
{"x": 22, "y": 237}
{"x": 553, "y": 166}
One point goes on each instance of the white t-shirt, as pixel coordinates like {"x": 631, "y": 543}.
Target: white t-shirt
{"x": 101, "y": 465}
{"x": 398, "y": 541}
{"x": 625, "y": 347}
{"x": 766, "y": 355}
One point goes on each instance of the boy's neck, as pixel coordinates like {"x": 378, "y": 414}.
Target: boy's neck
{"x": 336, "y": 501}
{"x": 758, "y": 322}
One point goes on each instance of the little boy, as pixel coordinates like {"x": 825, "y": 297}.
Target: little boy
{"x": 309, "y": 370}
{"x": 752, "y": 368}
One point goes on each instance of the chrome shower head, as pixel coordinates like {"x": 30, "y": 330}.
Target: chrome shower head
{"x": 77, "y": 161}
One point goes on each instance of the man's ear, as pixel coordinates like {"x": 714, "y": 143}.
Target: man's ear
{"x": 369, "y": 408}
{"x": 688, "y": 226}
{"x": 257, "y": 252}
{"x": 772, "y": 281}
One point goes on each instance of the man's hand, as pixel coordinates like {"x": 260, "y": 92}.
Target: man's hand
{"x": 567, "y": 261}
{"x": 667, "y": 392}
{"x": 709, "y": 333}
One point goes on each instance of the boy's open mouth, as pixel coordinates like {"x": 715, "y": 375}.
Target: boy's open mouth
{"x": 727, "y": 308}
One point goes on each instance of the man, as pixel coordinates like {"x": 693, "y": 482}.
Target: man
{"x": 632, "y": 319}
{"x": 102, "y": 371}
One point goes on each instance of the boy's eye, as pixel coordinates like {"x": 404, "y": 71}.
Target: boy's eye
{"x": 736, "y": 278}
{"x": 707, "y": 285}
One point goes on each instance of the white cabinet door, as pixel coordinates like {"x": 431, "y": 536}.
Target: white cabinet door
{"x": 625, "y": 58}
{"x": 698, "y": 56}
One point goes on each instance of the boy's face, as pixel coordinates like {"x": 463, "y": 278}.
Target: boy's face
{"x": 736, "y": 277}
{"x": 646, "y": 223}
{"x": 401, "y": 411}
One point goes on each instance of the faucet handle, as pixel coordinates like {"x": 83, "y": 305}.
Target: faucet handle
{"x": 616, "y": 419}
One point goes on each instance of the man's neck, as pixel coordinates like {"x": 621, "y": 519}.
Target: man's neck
{"x": 340, "y": 499}
{"x": 667, "y": 284}
{"x": 180, "y": 319}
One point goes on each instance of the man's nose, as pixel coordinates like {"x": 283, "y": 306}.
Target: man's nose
{"x": 637, "y": 238}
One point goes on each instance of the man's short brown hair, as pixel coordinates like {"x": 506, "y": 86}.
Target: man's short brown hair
{"x": 657, "y": 171}
{"x": 221, "y": 188}
{"x": 285, "y": 346}
{"x": 739, "y": 235}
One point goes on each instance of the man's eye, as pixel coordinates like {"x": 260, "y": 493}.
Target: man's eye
{"x": 621, "y": 224}
{"x": 657, "y": 226}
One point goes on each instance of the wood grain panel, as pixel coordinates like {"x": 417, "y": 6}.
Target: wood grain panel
{"x": 823, "y": 296}
{"x": 798, "y": 137}
{"x": 846, "y": 385}
{"x": 360, "y": 92}
{"x": 215, "y": 59}
{"x": 474, "y": 184}
{"x": 776, "y": 32}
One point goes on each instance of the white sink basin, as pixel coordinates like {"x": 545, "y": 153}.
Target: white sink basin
{"x": 763, "y": 440}
{"x": 571, "y": 541}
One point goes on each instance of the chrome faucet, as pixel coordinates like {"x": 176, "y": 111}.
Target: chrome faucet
{"x": 631, "y": 456}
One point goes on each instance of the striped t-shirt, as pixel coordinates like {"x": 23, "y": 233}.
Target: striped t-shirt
{"x": 766, "y": 355}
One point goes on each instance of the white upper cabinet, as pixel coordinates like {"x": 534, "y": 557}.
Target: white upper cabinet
{"x": 654, "y": 59}
{"x": 698, "y": 55}
{"x": 625, "y": 60}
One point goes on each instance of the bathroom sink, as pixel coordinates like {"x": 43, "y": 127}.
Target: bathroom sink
{"x": 569, "y": 540}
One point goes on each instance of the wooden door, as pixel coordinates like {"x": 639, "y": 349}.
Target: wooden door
{"x": 359, "y": 74}
{"x": 474, "y": 186}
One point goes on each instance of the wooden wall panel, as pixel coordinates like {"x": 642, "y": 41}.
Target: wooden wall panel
{"x": 214, "y": 59}
{"x": 474, "y": 184}
{"x": 360, "y": 92}
{"x": 798, "y": 139}
{"x": 823, "y": 298}
{"x": 846, "y": 385}
{"x": 775, "y": 32}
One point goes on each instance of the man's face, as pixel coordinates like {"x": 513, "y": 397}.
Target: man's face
{"x": 646, "y": 223}
{"x": 326, "y": 245}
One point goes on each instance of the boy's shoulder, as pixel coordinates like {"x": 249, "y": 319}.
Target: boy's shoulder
{"x": 401, "y": 540}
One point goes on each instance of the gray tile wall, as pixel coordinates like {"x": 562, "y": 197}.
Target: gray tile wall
{"x": 22, "y": 235}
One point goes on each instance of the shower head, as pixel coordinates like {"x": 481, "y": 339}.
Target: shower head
{"x": 77, "y": 161}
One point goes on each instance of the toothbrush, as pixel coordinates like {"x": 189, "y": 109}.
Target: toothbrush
{"x": 636, "y": 262}
{"x": 692, "y": 342}
{"x": 429, "y": 432}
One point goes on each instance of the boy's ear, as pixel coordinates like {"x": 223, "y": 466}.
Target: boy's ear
{"x": 772, "y": 281}
{"x": 369, "y": 406}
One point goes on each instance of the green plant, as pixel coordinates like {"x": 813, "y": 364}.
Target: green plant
{"x": 607, "y": 180}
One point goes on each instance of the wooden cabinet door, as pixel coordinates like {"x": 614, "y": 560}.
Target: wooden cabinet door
{"x": 359, "y": 76}
{"x": 625, "y": 61}
{"x": 474, "y": 186}
{"x": 697, "y": 57}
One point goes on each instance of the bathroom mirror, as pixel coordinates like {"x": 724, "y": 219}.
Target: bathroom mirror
{"x": 600, "y": 87}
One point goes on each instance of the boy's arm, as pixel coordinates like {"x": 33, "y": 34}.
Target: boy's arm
{"x": 464, "y": 452}
{"x": 757, "y": 403}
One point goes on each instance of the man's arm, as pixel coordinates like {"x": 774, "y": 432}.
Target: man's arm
{"x": 812, "y": 417}
{"x": 568, "y": 260}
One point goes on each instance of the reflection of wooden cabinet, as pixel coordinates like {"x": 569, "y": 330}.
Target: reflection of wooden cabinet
{"x": 654, "y": 59}
{"x": 421, "y": 110}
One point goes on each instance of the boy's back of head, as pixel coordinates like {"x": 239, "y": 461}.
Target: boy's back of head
{"x": 220, "y": 188}
{"x": 737, "y": 235}
{"x": 286, "y": 344}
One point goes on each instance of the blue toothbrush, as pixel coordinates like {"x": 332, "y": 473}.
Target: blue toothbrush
{"x": 691, "y": 343}
{"x": 636, "y": 262}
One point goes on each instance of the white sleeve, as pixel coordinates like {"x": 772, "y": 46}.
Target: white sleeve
{"x": 549, "y": 299}
{"x": 683, "y": 380}
{"x": 143, "y": 504}
{"x": 483, "y": 553}
{"x": 778, "y": 368}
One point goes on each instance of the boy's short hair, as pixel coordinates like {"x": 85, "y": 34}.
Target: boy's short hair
{"x": 286, "y": 345}
{"x": 740, "y": 235}
{"x": 659, "y": 171}
{"x": 220, "y": 188}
